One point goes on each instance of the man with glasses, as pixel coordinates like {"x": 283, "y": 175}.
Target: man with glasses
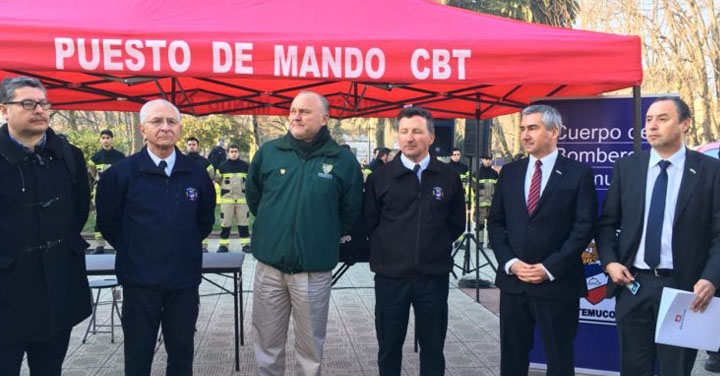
{"x": 154, "y": 208}
{"x": 45, "y": 197}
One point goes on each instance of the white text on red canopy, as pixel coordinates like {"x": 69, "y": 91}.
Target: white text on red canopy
{"x": 332, "y": 62}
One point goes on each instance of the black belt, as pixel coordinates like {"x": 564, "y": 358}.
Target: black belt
{"x": 653, "y": 272}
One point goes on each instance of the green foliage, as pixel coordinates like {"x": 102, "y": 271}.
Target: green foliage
{"x": 88, "y": 140}
{"x": 209, "y": 130}
{"x": 85, "y": 140}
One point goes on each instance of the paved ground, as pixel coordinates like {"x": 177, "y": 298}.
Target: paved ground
{"x": 472, "y": 346}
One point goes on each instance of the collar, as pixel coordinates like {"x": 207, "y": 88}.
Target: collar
{"x": 548, "y": 160}
{"x": 14, "y": 152}
{"x": 327, "y": 148}
{"x": 677, "y": 159}
{"x": 42, "y": 142}
{"x": 170, "y": 160}
{"x": 410, "y": 164}
{"x": 183, "y": 163}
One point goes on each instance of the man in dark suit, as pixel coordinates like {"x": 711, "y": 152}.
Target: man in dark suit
{"x": 541, "y": 219}
{"x": 666, "y": 205}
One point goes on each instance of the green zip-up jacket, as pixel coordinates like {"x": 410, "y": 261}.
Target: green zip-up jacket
{"x": 302, "y": 206}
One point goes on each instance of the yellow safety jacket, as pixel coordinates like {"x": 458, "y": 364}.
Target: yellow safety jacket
{"x": 231, "y": 176}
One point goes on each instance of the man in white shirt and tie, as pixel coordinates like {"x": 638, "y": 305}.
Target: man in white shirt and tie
{"x": 660, "y": 227}
{"x": 541, "y": 219}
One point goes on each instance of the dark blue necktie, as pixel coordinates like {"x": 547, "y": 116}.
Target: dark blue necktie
{"x": 656, "y": 214}
{"x": 415, "y": 171}
{"x": 162, "y": 165}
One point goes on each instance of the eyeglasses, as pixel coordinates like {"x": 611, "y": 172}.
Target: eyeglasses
{"x": 30, "y": 104}
{"x": 156, "y": 122}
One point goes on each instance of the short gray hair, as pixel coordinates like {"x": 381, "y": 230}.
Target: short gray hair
{"x": 550, "y": 116}
{"x": 10, "y": 84}
{"x": 323, "y": 101}
{"x": 146, "y": 107}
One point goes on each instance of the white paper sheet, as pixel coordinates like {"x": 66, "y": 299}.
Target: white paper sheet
{"x": 678, "y": 325}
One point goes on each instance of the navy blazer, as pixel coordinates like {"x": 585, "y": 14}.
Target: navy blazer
{"x": 156, "y": 223}
{"x": 555, "y": 235}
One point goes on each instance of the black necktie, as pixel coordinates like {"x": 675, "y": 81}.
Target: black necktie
{"x": 162, "y": 165}
{"x": 415, "y": 171}
{"x": 656, "y": 214}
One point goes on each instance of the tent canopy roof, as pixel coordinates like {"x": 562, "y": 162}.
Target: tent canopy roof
{"x": 368, "y": 57}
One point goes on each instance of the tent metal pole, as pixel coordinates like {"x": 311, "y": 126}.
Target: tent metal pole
{"x": 637, "y": 118}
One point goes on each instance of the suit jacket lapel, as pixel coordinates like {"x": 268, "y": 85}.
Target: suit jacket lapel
{"x": 556, "y": 176}
{"x": 637, "y": 183}
{"x": 519, "y": 189}
{"x": 691, "y": 172}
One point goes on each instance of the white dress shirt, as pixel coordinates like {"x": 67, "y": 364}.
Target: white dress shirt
{"x": 170, "y": 160}
{"x": 548, "y": 163}
{"x": 411, "y": 165}
{"x": 675, "y": 174}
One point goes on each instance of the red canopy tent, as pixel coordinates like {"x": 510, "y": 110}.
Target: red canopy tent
{"x": 368, "y": 57}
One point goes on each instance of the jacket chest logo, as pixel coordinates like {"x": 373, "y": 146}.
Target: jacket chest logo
{"x": 438, "y": 193}
{"x": 326, "y": 168}
{"x": 191, "y": 193}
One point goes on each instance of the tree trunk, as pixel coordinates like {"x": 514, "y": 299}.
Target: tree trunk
{"x": 138, "y": 139}
{"x": 380, "y": 133}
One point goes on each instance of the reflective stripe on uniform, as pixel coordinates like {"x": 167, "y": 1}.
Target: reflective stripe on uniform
{"x": 224, "y": 200}
{"x": 234, "y": 175}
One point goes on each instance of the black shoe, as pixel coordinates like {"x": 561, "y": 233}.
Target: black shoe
{"x": 223, "y": 249}
{"x": 712, "y": 364}
{"x": 99, "y": 250}
{"x": 205, "y": 250}
{"x": 246, "y": 248}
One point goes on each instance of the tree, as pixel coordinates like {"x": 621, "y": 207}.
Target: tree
{"x": 681, "y": 50}
{"x": 549, "y": 12}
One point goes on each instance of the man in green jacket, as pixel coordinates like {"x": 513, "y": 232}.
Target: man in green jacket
{"x": 305, "y": 192}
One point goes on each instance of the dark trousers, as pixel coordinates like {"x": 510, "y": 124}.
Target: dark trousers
{"x": 143, "y": 311}
{"x": 636, "y": 316}
{"x": 393, "y": 298}
{"x": 557, "y": 321}
{"x": 45, "y": 358}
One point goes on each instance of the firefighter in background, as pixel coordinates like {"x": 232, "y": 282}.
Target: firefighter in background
{"x": 99, "y": 162}
{"x": 486, "y": 179}
{"x": 381, "y": 157}
{"x": 463, "y": 170}
{"x": 192, "y": 147}
{"x": 459, "y": 167}
{"x": 231, "y": 176}
{"x": 218, "y": 154}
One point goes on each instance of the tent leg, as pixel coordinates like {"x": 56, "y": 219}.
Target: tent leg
{"x": 637, "y": 118}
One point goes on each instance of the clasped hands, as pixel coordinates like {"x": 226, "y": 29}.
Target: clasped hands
{"x": 530, "y": 273}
